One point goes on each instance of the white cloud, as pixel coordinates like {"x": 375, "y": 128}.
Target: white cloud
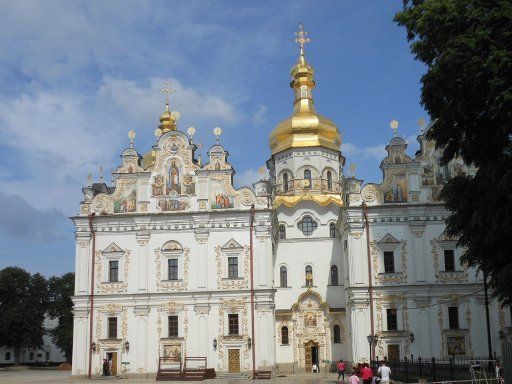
{"x": 260, "y": 115}
{"x": 248, "y": 177}
{"x": 376, "y": 152}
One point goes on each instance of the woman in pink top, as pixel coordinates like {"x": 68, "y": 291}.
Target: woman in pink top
{"x": 354, "y": 379}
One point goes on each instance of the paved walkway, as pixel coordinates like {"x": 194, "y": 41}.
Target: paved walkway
{"x": 44, "y": 376}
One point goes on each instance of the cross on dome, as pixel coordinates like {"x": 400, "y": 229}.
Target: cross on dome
{"x": 301, "y": 38}
{"x": 167, "y": 91}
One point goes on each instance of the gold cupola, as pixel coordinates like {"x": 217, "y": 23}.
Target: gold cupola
{"x": 305, "y": 127}
{"x": 167, "y": 120}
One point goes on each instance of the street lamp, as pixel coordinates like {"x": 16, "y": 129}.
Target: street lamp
{"x": 249, "y": 343}
{"x": 127, "y": 346}
{"x": 93, "y": 346}
{"x": 214, "y": 344}
{"x": 411, "y": 337}
{"x": 372, "y": 339}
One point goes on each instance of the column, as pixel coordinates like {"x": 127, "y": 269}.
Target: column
{"x": 201, "y": 236}
{"x": 203, "y": 343}
{"x": 261, "y": 245}
{"x": 141, "y": 356}
{"x": 80, "y": 342}
{"x": 142, "y": 261}
{"x": 418, "y": 263}
{"x": 82, "y": 262}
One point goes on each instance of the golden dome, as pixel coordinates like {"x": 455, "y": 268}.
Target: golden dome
{"x": 167, "y": 120}
{"x": 305, "y": 127}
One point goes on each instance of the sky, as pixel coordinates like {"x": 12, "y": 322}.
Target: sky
{"x": 75, "y": 77}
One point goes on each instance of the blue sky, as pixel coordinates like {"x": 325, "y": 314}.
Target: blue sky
{"x": 75, "y": 77}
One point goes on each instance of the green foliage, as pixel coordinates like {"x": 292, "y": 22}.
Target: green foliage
{"x": 467, "y": 91}
{"x": 23, "y": 303}
{"x": 60, "y": 306}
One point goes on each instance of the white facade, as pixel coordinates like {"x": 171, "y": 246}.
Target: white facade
{"x": 169, "y": 259}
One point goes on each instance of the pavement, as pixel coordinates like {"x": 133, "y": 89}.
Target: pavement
{"x": 46, "y": 376}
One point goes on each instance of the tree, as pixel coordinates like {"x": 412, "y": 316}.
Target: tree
{"x": 61, "y": 307}
{"x": 23, "y": 301}
{"x": 467, "y": 91}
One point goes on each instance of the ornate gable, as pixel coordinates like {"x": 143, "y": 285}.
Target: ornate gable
{"x": 113, "y": 248}
{"x": 231, "y": 245}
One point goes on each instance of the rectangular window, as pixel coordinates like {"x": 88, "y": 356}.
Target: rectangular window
{"x": 112, "y": 327}
{"x": 453, "y": 317}
{"x": 233, "y": 267}
{"x": 389, "y": 262}
{"x": 113, "y": 271}
{"x": 47, "y": 356}
{"x": 172, "y": 266}
{"x": 233, "y": 324}
{"x": 173, "y": 326}
{"x": 449, "y": 260}
{"x": 391, "y": 318}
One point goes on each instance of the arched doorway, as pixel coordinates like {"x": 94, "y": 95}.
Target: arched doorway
{"x": 311, "y": 355}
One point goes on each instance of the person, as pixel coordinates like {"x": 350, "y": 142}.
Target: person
{"x": 110, "y": 362}
{"x": 384, "y": 372}
{"x": 315, "y": 368}
{"x": 353, "y": 379}
{"x": 366, "y": 374}
{"x": 105, "y": 367}
{"x": 341, "y": 369}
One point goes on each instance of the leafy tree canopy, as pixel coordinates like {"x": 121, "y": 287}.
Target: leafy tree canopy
{"x": 60, "y": 291}
{"x": 23, "y": 303}
{"x": 467, "y": 90}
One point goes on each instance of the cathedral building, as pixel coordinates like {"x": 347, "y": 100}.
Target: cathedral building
{"x": 305, "y": 267}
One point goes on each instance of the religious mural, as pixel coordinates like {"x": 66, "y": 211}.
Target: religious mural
{"x": 128, "y": 200}
{"x": 397, "y": 192}
{"x": 173, "y": 178}
{"x": 456, "y": 345}
{"x": 173, "y": 203}
{"x": 157, "y": 188}
{"x": 219, "y": 199}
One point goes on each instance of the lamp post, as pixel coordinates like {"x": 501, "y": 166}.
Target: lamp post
{"x": 214, "y": 344}
{"x": 372, "y": 339}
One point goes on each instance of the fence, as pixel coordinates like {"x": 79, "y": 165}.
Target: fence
{"x": 441, "y": 369}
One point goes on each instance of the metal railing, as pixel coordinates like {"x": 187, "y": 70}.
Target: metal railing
{"x": 433, "y": 369}
{"x": 300, "y": 186}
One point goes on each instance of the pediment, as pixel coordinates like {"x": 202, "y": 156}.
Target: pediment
{"x": 113, "y": 248}
{"x": 232, "y": 244}
{"x": 445, "y": 237}
{"x": 172, "y": 245}
{"x": 388, "y": 239}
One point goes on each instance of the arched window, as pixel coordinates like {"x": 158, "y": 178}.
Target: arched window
{"x": 285, "y": 182}
{"x": 329, "y": 180}
{"x": 307, "y": 225}
{"x": 336, "y": 333}
{"x": 284, "y": 336}
{"x": 283, "y": 276}
{"x": 334, "y": 275}
{"x": 309, "y": 276}
{"x": 332, "y": 230}
{"x": 282, "y": 231}
{"x": 307, "y": 178}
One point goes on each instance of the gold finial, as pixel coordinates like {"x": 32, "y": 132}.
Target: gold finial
{"x": 301, "y": 38}
{"x": 89, "y": 178}
{"x": 167, "y": 90}
{"x": 394, "y": 126}
{"x": 158, "y": 132}
{"x": 421, "y": 124}
{"x": 131, "y": 136}
{"x": 191, "y": 132}
{"x": 101, "y": 173}
{"x": 352, "y": 169}
{"x": 217, "y": 132}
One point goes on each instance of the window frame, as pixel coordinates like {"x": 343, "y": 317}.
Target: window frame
{"x": 285, "y": 335}
{"x": 453, "y": 318}
{"x": 329, "y": 180}
{"x": 336, "y": 334}
{"x": 173, "y": 326}
{"x": 285, "y": 182}
{"x": 113, "y": 272}
{"x": 449, "y": 254}
{"x": 391, "y": 319}
{"x": 282, "y": 231}
{"x": 112, "y": 327}
{"x": 233, "y": 267}
{"x": 283, "y": 272}
{"x": 308, "y": 270}
{"x": 386, "y": 261}
{"x": 332, "y": 230}
{"x": 334, "y": 275}
{"x": 173, "y": 274}
{"x": 311, "y": 225}
{"x": 233, "y": 322}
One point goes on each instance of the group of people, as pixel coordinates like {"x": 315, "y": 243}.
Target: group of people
{"x": 365, "y": 373}
{"x": 107, "y": 368}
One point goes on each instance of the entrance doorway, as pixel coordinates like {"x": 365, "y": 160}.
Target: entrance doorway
{"x": 233, "y": 360}
{"x": 393, "y": 352}
{"x": 311, "y": 355}
{"x": 112, "y": 362}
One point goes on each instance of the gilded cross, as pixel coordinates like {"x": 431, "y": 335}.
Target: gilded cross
{"x": 167, "y": 90}
{"x": 301, "y": 38}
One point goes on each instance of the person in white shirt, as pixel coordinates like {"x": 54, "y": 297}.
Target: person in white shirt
{"x": 384, "y": 372}
{"x": 315, "y": 368}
